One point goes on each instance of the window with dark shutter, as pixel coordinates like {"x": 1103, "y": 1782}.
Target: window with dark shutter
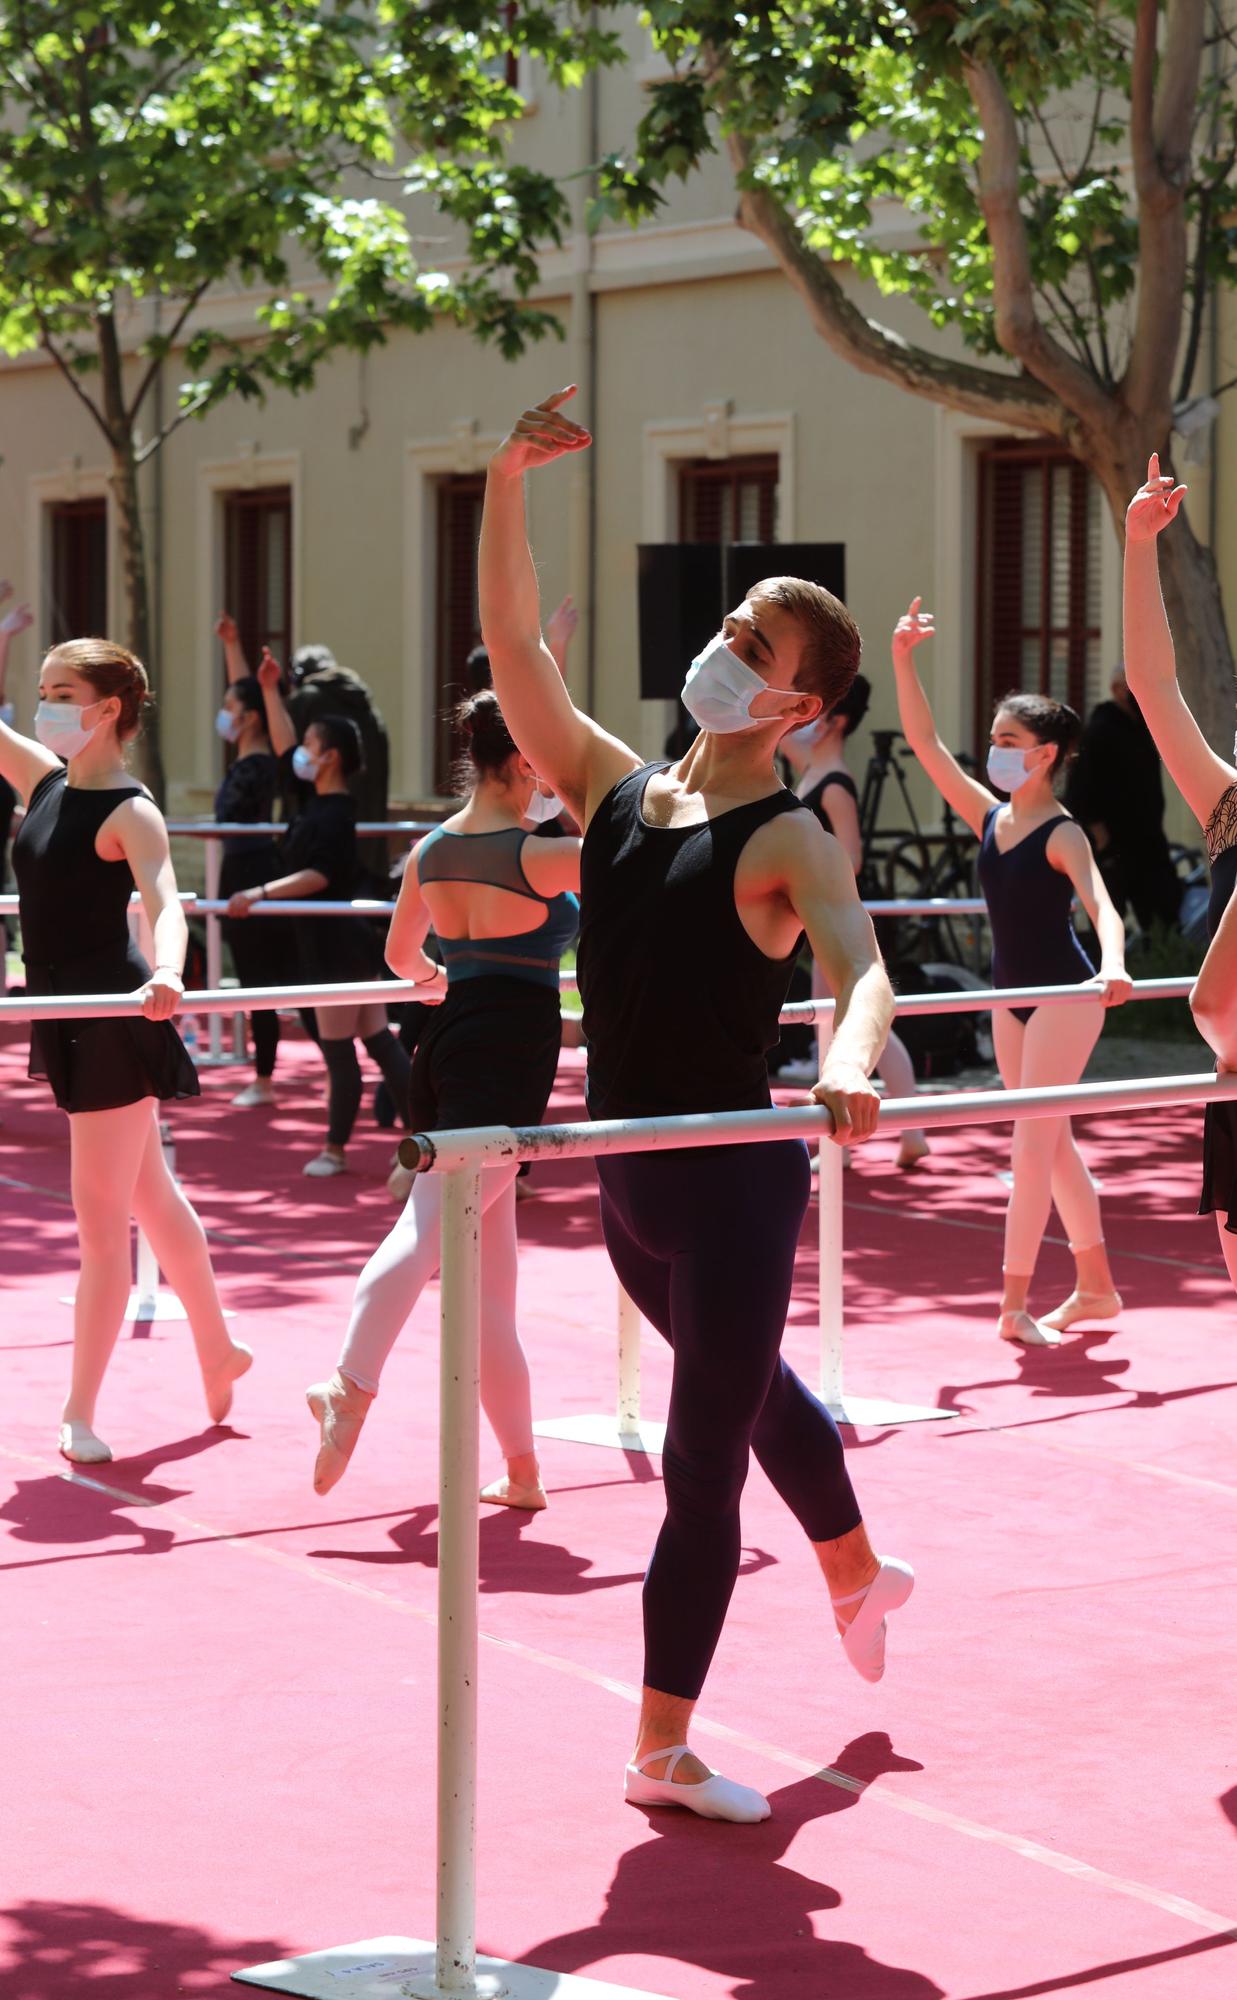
{"x": 257, "y": 569}
{"x": 77, "y": 584}
{"x": 1038, "y": 579}
{"x": 460, "y": 499}
{"x": 728, "y": 499}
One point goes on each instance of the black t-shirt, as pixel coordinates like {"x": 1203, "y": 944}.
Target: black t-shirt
{"x": 1116, "y": 781}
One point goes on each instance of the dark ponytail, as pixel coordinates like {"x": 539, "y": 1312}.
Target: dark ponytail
{"x": 488, "y": 743}
{"x": 1049, "y": 721}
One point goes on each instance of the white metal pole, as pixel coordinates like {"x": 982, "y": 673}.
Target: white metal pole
{"x": 628, "y": 1366}
{"x": 214, "y": 943}
{"x": 831, "y": 1307}
{"x": 459, "y": 1463}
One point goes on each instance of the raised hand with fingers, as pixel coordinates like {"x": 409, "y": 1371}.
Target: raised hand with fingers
{"x": 19, "y": 619}
{"x": 560, "y": 626}
{"x": 270, "y": 673}
{"x": 1155, "y": 504}
{"x": 541, "y": 435}
{"x": 226, "y": 628}
{"x": 913, "y": 628}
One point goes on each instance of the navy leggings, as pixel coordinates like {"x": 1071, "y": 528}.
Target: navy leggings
{"x": 704, "y": 1242}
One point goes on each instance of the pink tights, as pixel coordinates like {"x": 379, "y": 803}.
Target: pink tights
{"x": 119, "y": 1173}
{"x": 1052, "y": 1047}
{"x": 398, "y": 1272}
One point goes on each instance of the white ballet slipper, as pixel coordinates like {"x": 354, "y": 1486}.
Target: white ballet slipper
{"x": 863, "y": 1640}
{"x": 713, "y": 1797}
{"x": 506, "y": 1492}
{"x": 260, "y": 1091}
{"x": 323, "y": 1167}
{"x": 1027, "y": 1331}
{"x": 219, "y": 1382}
{"x": 79, "y": 1443}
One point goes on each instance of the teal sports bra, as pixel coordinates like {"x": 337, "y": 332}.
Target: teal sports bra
{"x": 493, "y": 860}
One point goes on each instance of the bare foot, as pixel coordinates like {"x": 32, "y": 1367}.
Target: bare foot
{"x": 1028, "y": 1332}
{"x": 1083, "y": 1306}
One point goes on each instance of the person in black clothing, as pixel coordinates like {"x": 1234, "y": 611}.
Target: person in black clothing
{"x": 318, "y": 685}
{"x": 319, "y": 863}
{"x": 1116, "y": 793}
{"x": 247, "y": 794}
{"x": 11, "y": 624}
{"x": 90, "y": 835}
{"x": 697, "y": 882}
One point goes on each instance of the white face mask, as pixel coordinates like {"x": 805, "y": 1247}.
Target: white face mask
{"x": 305, "y": 764}
{"x": 228, "y": 725}
{"x": 719, "y": 690}
{"x": 543, "y": 806}
{"x": 1007, "y": 769}
{"x": 58, "y": 726}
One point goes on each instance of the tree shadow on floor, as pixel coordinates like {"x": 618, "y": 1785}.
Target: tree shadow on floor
{"x": 735, "y": 1910}
{"x": 60, "y": 1948}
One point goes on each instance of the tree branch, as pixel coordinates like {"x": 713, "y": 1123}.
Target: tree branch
{"x": 191, "y": 303}
{"x": 878, "y": 350}
{"x": 1161, "y": 129}
{"x": 1018, "y": 328}
{"x": 49, "y": 347}
{"x": 1198, "y": 295}
{"x": 181, "y": 417}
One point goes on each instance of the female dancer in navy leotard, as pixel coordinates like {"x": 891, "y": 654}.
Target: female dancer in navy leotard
{"x": 502, "y": 904}
{"x": 90, "y": 833}
{"x": 1033, "y": 860}
{"x": 818, "y": 755}
{"x": 1208, "y": 785}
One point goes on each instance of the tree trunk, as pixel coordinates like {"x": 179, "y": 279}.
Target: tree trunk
{"x": 139, "y": 632}
{"x": 1200, "y": 635}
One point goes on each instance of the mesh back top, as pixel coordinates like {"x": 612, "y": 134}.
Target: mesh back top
{"x": 680, "y": 1005}
{"x": 492, "y": 860}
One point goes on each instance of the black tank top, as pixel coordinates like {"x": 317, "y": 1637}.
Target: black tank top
{"x": 1221, "y": 838}
{"x": 815, "y": 799}
{"x": 680, "y": 1007}
{"x": 1034, "y": 942}
{"x": 74, "y": 906}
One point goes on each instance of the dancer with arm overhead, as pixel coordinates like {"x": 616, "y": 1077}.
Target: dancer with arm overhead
{"x": 502, "y": 904}
{"x": 698, "y": 880}
{"x": 1033, "y": 860}
{"x": 1208, "y": 784}
{"x": 90, "y": 834}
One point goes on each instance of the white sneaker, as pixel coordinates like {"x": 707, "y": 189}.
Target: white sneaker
{"x": 260, "y": 1091}
{"x": 801, "y": 1071}
{"x": 323, "y": 1167}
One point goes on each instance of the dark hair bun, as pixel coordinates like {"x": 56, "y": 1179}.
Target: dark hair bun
{"x": 1049, "y": 721}
{"x": 339, "y": 732}
{"x": 854, "y": 703}
{"x": 489, "y": 743}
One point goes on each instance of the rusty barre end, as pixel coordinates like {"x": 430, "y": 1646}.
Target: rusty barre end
{"x": 415, "y": 1153}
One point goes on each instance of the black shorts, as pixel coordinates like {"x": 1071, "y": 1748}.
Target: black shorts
{"x": 1220, "y": 1164}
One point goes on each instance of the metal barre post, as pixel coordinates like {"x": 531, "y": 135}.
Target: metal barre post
{"x": 628, "y": 1367}
{"x": 214, "y": 943}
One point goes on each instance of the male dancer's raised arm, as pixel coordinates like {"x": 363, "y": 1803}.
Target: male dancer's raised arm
{"x": 565, "y": 747}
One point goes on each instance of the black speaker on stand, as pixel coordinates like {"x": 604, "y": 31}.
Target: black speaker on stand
{"x": 685, "y": 590}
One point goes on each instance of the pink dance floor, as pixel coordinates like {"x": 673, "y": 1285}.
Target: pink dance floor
{"x": 219, "y": 1689}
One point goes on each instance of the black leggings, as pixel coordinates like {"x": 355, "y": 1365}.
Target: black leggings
{"x": 344, "y": 1072}
{"x": 704, "y": 1243}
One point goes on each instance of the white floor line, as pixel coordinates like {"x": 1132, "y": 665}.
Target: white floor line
{"x": 1194, "y": 1914}
{"x": 936, "y": 1221}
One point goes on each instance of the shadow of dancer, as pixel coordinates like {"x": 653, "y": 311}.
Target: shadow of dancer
{"x": 513, "y": 1558}
{"x": 75, "y": 1506}
{"x": 735, "y": 1910}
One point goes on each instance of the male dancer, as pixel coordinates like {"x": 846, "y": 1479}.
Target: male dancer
{"x": 698, "y": 880}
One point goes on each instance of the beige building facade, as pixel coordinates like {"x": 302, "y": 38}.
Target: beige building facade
{"x": 347, "y": 516}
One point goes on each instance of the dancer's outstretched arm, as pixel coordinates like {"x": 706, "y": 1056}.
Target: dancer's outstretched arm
{"x": 142, "y": 837}
{"x": 236, "y": 665}
{"x": 1150, "y": 662}
{"x": 819, "y": 884}
{"x": 279, "y": 724}
{"x": 565, "y": 747}
{"x": 969, "y": 799}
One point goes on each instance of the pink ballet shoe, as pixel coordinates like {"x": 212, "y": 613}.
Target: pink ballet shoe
{"x": 1027, "y": 1331}
{"x": 1083, "y": 1306}
{"x": 863, "y": 1640}
{"x": 507, "y": 1492}
{"x": 78, "y": 1443}
{"x": 713, "y": 1797}
{"x": 220, "y": 1382}
{"x": 340, "y": 1408}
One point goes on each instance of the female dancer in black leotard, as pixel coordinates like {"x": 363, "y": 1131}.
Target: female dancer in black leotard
{"x": 317, "y": 862}
{"x": 1033, "y": 860}
{"x": 824, "y": 783}
{"x": 90, "y": 833}
{"x": 502, "y": 906}
{"x": 698, "y": 881}
{"x": 1209, "y": 787}
{"x": 247, "y": 794}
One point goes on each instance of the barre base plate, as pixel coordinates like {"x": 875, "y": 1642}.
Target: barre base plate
{"x": 646, "y": 1437}
{"x": 873, "y": 1411}
{"x": 383, "y": 1968}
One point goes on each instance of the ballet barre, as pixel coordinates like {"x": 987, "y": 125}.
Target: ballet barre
{"x": 448, "y": 1968}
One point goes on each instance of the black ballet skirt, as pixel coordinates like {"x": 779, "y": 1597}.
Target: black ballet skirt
{"x": 75, "y": 939}
{"x": 1219, "y": 1193}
